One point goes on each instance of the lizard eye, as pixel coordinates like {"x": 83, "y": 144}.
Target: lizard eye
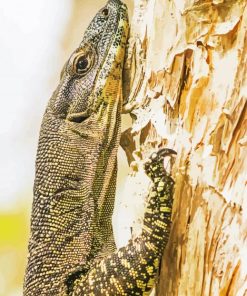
{"x": 83, "y": 63}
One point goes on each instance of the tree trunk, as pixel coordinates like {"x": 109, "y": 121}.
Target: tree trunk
{"x": 186, "y": 69}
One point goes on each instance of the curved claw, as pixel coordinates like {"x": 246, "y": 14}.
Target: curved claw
{"x": 166, "y": 152}
{"x": 163, "y": 152}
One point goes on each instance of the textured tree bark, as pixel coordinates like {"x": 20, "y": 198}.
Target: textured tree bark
{"x": 186, "y": 65}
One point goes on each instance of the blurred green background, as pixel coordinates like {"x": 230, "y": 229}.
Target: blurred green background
{"x": 36, "y": 38}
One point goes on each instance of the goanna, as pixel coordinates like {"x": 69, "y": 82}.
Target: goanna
{"x": 76, "y": 165}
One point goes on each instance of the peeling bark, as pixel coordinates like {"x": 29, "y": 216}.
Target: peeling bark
{"x": 187, "y": 74}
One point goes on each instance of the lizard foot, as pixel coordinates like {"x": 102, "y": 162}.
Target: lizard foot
{"x": 154, "y": 167}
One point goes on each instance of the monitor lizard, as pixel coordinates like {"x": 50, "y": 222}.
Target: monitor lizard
{"x": 71, "y": 248}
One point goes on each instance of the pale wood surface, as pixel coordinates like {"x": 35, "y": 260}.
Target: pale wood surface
{"x": 187, "y": 63}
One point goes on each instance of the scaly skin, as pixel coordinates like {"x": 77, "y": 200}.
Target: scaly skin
{"x": 132, "y": 269}
{"x": 75, "y": 178}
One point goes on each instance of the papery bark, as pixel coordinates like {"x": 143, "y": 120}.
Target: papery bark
{"x": 187, "y": 76}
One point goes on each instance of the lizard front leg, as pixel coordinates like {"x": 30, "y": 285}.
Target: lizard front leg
{"x": 132, "y": 269}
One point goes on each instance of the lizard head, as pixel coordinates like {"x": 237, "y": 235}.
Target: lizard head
{"x": 91, "y": 79}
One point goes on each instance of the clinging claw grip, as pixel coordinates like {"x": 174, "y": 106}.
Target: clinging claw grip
{"x": 154, "y": 165}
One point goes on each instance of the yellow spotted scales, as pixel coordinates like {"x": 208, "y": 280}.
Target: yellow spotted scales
{"x": 75, "y": 180}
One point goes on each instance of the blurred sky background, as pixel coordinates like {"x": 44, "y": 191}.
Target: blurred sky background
{"x": 36, "y": 38}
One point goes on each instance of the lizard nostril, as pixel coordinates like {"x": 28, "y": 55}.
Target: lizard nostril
{"x": 105, "y": 12}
